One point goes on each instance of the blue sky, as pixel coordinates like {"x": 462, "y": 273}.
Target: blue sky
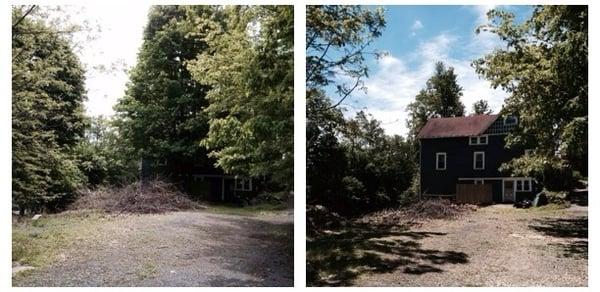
{"x": 415, "y": 38}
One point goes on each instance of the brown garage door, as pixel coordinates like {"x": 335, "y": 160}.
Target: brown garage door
{"x": 474, "y": 194}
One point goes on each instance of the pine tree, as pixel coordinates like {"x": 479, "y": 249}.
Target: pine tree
{"x": 162, "y": 114}
{"x": 48, "y": 115}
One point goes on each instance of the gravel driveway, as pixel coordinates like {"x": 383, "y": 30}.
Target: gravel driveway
{"x": 494, "y": 246}
{"x": 177, "y": 249}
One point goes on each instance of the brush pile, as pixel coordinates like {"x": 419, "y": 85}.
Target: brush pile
{"x": 418, "y": 212}
{"x": 153, "y": 197}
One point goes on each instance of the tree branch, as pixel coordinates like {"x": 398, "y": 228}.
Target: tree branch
{"x": 23, "y": 16}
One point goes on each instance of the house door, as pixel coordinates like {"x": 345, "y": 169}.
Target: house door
{"x": 508, "y": 191}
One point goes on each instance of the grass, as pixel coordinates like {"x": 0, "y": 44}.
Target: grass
{"x": 38, "y": 243}
{"x": 247, "y": 210}
{"x": 147, "y": 270}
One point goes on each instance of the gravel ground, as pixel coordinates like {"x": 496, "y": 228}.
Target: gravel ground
{"x": 494, "y": 246}
{"x": 177, "y": 249}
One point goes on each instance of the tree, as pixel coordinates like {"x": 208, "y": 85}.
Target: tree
{"x": 249, "y": 68}
{"x": 47, "y": 115}
{"x": 161, "y": 117}
{"x": 103, "y": 157}
{"x": 440, "y": 98}
{"x": 544, "y": 68}
{"x": 337, "y": 37}
{"x": 481, "y": 107}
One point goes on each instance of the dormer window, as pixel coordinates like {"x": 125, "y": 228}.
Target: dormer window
{"x": 478, "y": 140}
{"x": 510, "y": 120}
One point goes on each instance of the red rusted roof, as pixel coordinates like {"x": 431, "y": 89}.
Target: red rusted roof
{"x": 456, "y": 127}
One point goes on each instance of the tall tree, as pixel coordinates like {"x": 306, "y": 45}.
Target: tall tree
{"x": 47, "y": 114}
{"x": 162, "y": 113}
{"x": 544, "y": 68}
{"x": 481, "y": 107}
{"x": 440, "y": 98}
{"x": 249, "y": 68}
{"x": 337, "y": 38}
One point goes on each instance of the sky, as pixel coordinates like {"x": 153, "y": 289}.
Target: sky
{"x": 116, "y": 45}
{"x": 415, "y": 38}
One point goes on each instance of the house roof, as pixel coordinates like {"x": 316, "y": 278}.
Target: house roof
{"x": 456, "y": 127}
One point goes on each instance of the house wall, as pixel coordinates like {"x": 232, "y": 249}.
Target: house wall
{"x": 459, "y": 164}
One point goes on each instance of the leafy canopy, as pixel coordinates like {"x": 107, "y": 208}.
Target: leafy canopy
{"x": 249, "y": 69}
{"x": 545, "y": 69}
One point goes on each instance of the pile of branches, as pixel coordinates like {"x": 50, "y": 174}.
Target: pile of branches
{"x": 319, "y": 218}
{"x": 151, "y": 197}
{"x": 418, "y": 212}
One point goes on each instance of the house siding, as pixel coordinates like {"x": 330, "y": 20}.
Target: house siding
{"x": 459, "y": 165}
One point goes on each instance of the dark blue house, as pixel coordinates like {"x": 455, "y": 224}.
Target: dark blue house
{"x": 469, "y": 150}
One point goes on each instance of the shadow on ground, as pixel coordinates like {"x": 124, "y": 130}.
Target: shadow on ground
{"x": 338, "y": 258}
{"x": 269, "y": 261}
{"x": 575, "y": 230}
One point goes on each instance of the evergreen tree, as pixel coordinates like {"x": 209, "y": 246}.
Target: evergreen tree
{"x": 481, "y": 107}
{"x": 47, "y": 115}
{"x": 439, "y": 99}
{"x": 161, "y": 115}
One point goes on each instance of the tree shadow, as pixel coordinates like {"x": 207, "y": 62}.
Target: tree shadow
{"x": 574, "y": 230}
{"x": 339, "y": 257}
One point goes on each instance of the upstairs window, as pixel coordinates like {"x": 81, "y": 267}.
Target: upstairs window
{"x": 478, "y": 140}
{"x": 440, "y": 161}
{"x": 478, "y": 160}
{"x": 510, "y": 120}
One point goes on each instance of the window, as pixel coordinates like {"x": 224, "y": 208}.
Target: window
{"x": 479, "y": 160}
{"x": 478, "y": 181}
{"x": 243, "y": 184}
{"x": 510, "y": 120}
{"x": 478, "y": 140}
{"x": 440, "y": 161}
{"x": 524, "y": 185}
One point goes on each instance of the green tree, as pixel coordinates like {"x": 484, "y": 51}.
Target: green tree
{"x": 47, "y": 114}
{"x": 103, "y": 157}
{"x": 249, "y": 68}
{"x": 337, "y": 38}
{"x": 544, "y": 68}
{"x": 161, "y": 116}
{"x": 440, "y": 98}
{"x": 481, "y": 107}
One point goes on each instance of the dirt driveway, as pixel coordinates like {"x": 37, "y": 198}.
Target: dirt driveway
{"x": 176, "y": 249}
{"x": 494, "y": 246}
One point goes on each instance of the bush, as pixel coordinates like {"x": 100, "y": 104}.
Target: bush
{"x": 557, "y": 198}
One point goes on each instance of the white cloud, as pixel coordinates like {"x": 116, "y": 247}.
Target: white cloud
{"x": 417, "y": 25}
{"x": 397, "y": 79}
